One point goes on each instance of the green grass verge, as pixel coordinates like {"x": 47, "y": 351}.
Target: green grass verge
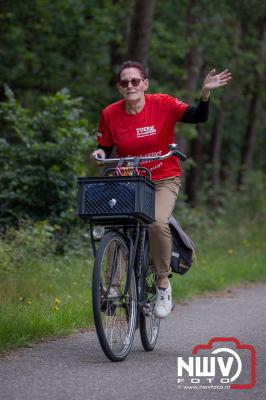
{"x": 232, "y": 254}
{"x": 46, "y": 295}
{"x": 49, "y": 297}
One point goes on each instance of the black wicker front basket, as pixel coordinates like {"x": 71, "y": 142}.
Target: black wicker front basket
{"x": 114, "y": 200}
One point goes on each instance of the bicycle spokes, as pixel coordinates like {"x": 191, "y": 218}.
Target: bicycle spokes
{"x": 116, "y": 313}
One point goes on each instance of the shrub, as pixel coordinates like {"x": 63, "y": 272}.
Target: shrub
{"x": 41, "y": 154}
{"x": 24, "y": 246}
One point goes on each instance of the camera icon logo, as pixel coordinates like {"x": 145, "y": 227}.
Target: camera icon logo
{"x": 222, "y": 363}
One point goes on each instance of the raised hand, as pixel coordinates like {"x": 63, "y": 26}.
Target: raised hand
{"x": 213, "y": 81}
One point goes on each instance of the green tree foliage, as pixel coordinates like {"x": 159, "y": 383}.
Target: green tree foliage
{"x": 227, "y": 37}
{"x": 47, "y": 45}
{"x": 41, "y": 155}
{"x": 50, "y": 44}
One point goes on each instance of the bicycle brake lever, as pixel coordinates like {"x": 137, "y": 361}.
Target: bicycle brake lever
{"x": 180, "y": 155}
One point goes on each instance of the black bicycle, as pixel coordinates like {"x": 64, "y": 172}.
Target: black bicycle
{"x": 119, "y": 206}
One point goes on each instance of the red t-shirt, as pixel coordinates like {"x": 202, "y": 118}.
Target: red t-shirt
{"x": 144, "y": 134}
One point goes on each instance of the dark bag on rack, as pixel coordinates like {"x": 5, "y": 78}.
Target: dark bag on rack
{"x": 182, "y": 250}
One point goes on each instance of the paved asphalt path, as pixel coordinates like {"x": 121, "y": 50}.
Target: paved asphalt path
{"x": 74, "y": 368}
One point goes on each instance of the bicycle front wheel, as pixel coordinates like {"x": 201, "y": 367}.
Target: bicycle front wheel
{"x": 114, "y": 297}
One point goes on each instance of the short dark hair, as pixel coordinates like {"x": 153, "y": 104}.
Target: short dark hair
{"x": 133, "y": 64}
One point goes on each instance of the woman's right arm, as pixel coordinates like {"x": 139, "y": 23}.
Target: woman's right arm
{"x": 104, "y": 138}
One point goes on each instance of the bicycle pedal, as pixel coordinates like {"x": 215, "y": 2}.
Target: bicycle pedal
{"x": 147, "y": 313}
{"x": 147, "y": 310}
{"x": 111, "y": 311}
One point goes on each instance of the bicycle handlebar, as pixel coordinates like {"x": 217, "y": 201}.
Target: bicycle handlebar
{"x": 172, "y": 152}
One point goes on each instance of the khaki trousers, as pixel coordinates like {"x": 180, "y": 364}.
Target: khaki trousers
{"x": 166, "y": 191}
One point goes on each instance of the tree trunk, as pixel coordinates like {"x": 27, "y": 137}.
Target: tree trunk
{"x": 215, "y": 156}
{"x": 250, "y": 137}
{"x": 193, "y": 65}
{"x": 194, "y": 174}
{"x": 140, "y": 29}
{"x": 249, "y": 142}
{"x": 116, "y": 58}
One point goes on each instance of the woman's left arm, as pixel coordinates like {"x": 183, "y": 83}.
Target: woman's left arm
{"x": 200, "y": 113}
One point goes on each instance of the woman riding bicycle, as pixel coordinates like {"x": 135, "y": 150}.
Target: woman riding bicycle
{"x": 143, "y": 124}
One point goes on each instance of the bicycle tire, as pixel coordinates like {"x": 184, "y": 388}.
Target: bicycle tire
{"x": 114, "y": 309}
{"x": 149, "y": 323}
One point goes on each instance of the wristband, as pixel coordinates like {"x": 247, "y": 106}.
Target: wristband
{"x": 205, "y": 99}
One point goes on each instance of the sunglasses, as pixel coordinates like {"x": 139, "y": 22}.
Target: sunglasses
{"x": 134, "y": 82}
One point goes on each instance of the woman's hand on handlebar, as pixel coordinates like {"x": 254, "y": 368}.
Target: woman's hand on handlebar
{"x": 99, "y": 153}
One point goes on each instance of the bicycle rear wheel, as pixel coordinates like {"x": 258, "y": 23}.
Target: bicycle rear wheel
{"x": 149, "y": 323}
{"x": 114, "y": 297}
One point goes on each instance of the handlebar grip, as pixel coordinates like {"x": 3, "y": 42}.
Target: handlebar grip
{"x": 180, "y": 155}
{"x": 98, "y": 157}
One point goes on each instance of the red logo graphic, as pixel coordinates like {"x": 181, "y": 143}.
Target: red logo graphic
{"x": 221, "y": 361}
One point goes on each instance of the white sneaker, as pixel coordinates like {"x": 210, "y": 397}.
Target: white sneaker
{"x": 163, "y": 304}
